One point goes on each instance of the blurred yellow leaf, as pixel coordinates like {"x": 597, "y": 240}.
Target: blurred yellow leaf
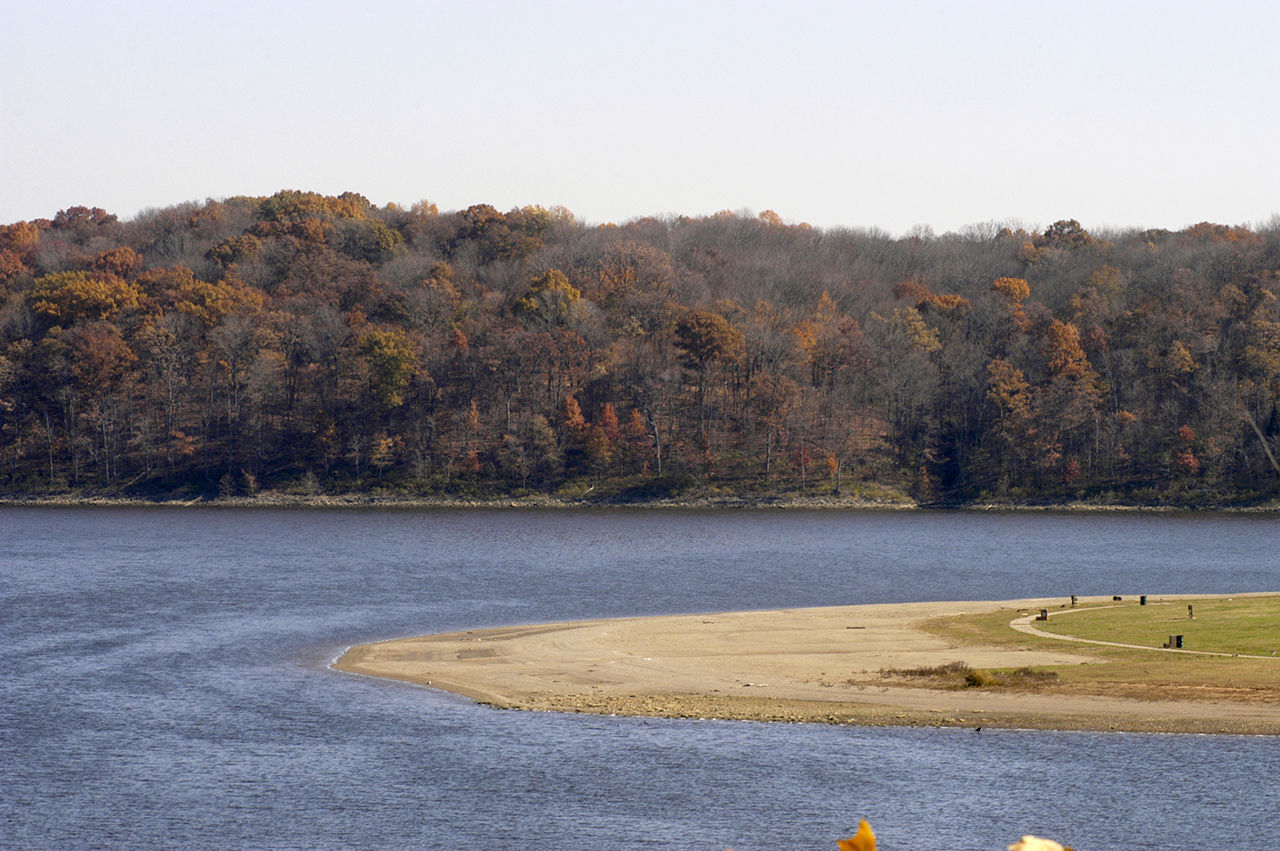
{"x": 863, "y": 840}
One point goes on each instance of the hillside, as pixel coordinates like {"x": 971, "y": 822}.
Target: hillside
{"x": 312, "y": 344}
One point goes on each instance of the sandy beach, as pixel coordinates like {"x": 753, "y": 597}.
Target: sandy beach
{"x": 801, "y": 665}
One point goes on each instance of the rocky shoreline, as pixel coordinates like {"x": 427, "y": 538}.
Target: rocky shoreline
{"x": 271, "y": 499}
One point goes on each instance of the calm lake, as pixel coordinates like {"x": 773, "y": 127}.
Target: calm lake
{"x": 164, "y": 683}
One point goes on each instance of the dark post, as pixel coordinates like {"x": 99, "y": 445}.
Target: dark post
{"x": 1142, "y": 601}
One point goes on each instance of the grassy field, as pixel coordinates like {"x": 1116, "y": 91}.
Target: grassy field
{"x": 1242, "y": 625}
{"x": 1245, "y": 625}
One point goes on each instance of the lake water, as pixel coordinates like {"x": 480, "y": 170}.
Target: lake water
{"x": 164, "y": 683}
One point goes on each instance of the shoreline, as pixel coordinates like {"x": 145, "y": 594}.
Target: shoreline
{"x": 819, "y": 665}
{"x": 537, "y": 502}
{"x": 827, "y": 502}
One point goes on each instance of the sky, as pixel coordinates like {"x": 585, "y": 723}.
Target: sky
{"x": 888, "y": 115}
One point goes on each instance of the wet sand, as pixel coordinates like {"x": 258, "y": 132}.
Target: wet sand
{"x": 812, "y": 665}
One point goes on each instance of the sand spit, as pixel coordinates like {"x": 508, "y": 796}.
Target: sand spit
{"x": 814, "y": 665}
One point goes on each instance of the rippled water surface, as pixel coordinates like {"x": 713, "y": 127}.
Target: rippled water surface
{"x": 164, "y": 683}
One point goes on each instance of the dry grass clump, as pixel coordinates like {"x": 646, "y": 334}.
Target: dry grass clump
{"x": 961, "y": 675}
{"x": 950, "y": 669}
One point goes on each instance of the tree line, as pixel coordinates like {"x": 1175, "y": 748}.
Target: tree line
{"x": 313, "y": 343}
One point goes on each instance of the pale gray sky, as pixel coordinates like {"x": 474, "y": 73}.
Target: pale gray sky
{"x": 861, "y": 114}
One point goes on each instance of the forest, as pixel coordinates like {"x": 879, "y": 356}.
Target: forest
{"x": 310, "y": 344}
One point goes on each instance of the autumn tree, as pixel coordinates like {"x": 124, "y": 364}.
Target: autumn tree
{"x": 706, "y": 340}
{"x": 1067, "y": 404}
{"x": 629, "y": 268}
{"x": 1012, "y": 398}
{"x": 1065, "y": 233}
{"x": 67, "y": 297}
{"x": 908, "y": 383}
{"x": 392, "y": 364}
{"x": 549, "y": 301}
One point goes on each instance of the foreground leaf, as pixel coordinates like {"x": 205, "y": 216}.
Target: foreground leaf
{"x": 863, "y": 840}
{"x": 1035, "y": 843}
